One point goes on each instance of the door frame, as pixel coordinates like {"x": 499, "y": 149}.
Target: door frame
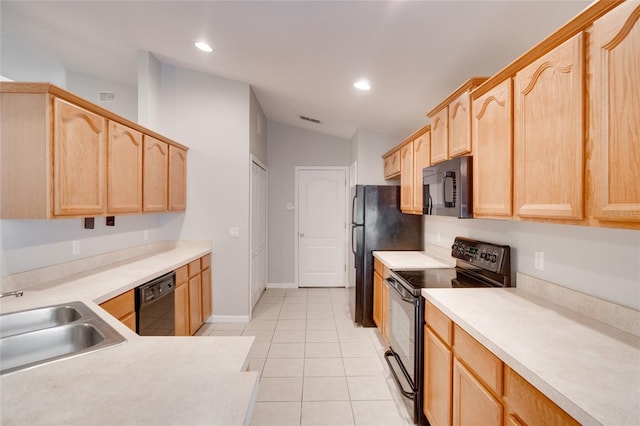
{"x": 298, "y": 169}
{"x": 253, "y": 160}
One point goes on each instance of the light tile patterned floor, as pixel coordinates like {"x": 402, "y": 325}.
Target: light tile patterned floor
{"x": 317, "y": 367}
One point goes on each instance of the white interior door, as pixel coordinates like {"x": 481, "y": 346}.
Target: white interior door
{"x": 322, "y": 218}
{"x": 258, "y": 243}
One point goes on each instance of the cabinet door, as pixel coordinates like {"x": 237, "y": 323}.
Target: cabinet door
{"x": 460, "y": 125}
{"x": 79, "y": 161}
{"x": 182, "y": 310}
{"x": 205, "y": 287}
{"x": 472, "y": 402}
{"x": 440, "y": 136}
{"x": 437, "y": 380}
{"x": 421, "y": 159}
{"x": 124, "y": 169}
{"x": 156, "y": 172}
{"x": 615, "y": 116}
{"x": 549, "y": 134}
{"x": 377, "y": 299}
{"x": 406, "y": 178}
{"x": 195, "y": 304}
{"x": 492, "y": 153}
{"x": 177, "y": 178}
{"x": 385, "y": 312}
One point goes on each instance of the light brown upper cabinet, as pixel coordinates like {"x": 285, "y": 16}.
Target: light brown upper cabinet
{"x": 124, "y": 169}
{"x": 79, "y": 160}
{"x": 549, "y": 134}
{"x": 414, "y": 156}
{"x": 406, "y": 177}
{"x": 63, "y": 156}
{"x": 392, "y": 164}
{"x": 492, "y": 134}
{"x": 156, "y": 175}
{"x": 614, "y": 161}
{"x": 421, "y": 159}
{"x": 451, "y": 123}
{"x": 177, "y": 178}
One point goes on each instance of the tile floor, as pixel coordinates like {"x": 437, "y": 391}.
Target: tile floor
{"x": 317, "y": 367}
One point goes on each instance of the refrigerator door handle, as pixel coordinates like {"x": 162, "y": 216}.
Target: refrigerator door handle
{"x": 353, "y": 237}
{"x": 353, "y": 212}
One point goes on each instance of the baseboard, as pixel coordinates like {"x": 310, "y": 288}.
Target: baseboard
{"x": 282, "y": 285}
{"x": 227, "y": 318}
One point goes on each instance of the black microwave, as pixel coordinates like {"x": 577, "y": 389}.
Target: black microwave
{"x": 447, "y": 188}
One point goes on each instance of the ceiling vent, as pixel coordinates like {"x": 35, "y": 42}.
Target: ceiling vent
{"x": 107, "y": 96}
{"x": 313, "y": 120}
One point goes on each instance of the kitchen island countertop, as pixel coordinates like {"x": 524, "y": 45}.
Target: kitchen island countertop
{"x": 143, "y": 381}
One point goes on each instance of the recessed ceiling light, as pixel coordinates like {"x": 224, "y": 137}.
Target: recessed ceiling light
{"x": 203, "y": 46}
{"x": 362, "y": 85}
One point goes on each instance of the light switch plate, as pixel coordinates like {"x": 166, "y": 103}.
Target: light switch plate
{"x": 234, "y": 232}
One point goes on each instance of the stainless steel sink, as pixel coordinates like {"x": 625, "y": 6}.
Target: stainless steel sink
{"x": 37, "y": 319}
{"x": 41, "y": 335}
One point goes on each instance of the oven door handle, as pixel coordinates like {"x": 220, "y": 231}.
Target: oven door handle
{"x": 404, "y": 294}
{"x": 409, "y": 394}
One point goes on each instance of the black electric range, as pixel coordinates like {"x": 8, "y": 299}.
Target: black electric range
{"x": 478, "y": 264}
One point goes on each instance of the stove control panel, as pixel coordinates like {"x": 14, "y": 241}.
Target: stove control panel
{"x": 487, "y": 256}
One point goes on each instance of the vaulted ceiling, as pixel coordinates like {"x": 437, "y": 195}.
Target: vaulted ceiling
{"x": 300, "y": 57}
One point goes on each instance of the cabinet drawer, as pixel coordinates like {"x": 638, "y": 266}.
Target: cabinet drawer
{"x": 205, "y": 261}
{"x": 439, "y": 323}
{"x": 527, "y": 405}
{"x": 483, "y": 363}
{"x": 120, "y": 306}
{"x": 194, "y": 268}
{"x": 182, "y": 274}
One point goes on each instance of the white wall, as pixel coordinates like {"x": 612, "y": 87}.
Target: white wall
{"x": 288, "y": 147}
{"x": 210, "y": 115}
{"x": 21, "y": 61}
{"x": 31, "y": 244}
{"x": 258, "y": 130}
{"x": 368, "y": 148}
{"x": 87, "y": 87}
{"x": 601, "y": 262}
{"x": 149, "y": 74}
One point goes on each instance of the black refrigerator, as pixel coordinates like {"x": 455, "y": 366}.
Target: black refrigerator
{"x": 377, "y": 224}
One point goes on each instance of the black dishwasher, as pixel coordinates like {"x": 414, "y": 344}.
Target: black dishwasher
{"x": 155, "y": 306}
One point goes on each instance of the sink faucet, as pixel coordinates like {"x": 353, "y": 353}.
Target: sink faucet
{"x": 16, "y": 293}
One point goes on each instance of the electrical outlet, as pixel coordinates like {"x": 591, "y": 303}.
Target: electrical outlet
{"x": 75, "y": 247}
{"x": 234, "y": 232}
{"x": 538, "y": 262}
{"x": 145, "y": 234}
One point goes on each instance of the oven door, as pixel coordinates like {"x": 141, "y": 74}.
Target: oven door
{"x": 402, "y": 326}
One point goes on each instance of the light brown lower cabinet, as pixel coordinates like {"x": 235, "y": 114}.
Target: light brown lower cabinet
{"x": 181, "y": 313}
{"x": 123, "y": 308}
{"x": 193, "y": 302}
{"x": 381, "y": 298}
{"x": 466, "y": 384}
{"x": 472, "y": 402}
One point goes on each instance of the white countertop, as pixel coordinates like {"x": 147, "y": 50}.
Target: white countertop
{"x": 591, "y": 370}
{"x": 143, "y": 381}
{"x": 412, "y": 260}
